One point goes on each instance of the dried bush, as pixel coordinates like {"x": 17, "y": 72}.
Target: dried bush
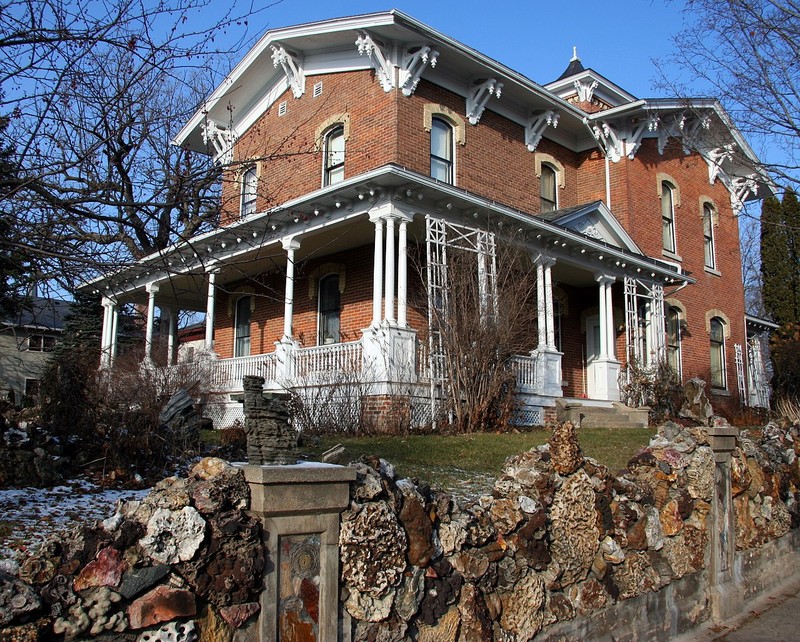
{"x": 480, "y": 326}
{"x": 234, "y": 436}
{"x": 657, "y": 387}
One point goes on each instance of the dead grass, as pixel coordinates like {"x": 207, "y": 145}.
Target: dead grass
{"x": 450, "y": 462}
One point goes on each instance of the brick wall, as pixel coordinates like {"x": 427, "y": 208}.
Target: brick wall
{"x": 493, "y": 162}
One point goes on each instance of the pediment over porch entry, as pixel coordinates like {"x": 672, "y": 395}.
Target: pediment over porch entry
{"x": 596, "y": 221}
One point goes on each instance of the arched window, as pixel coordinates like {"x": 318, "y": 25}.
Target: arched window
{"x": 668, "y": 217}
{"x": 329, "y": 309}
{"x": 673, "y": 322}
{"x": 709, "y": 251}
{"x": 249, "y": 192}
{"x": 441, "y": 150}
{"x": 549, "y": 193}
{"x": 241, "y": 342}
{"x": 333, "y": 171}
{"x": 717, "y": 337}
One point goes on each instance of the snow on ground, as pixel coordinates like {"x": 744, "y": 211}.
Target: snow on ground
{"x": 28, "y": 516}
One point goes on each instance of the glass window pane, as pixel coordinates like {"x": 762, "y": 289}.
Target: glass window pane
{"x": 242, "y": 343}
{"x": 334, "y": 156}
{"x": 667, "y": 218}
{"x": 548, "y": 189}
{"x": 708, "y": 237}
{"x": 329, "y": 309}
{"x": 441, "y": 151}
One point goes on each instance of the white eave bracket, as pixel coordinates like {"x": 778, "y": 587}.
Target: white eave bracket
{"x": 414, "y": 63}
{"x": 741, "y": 187}
{"x": 623, "y": 139}
{"x": 479, "y": 96}
{"x": 380, "y": 63}
{"x": 609, "y": 141}
{"x": 585, "y": 90}
{"x": 714, "y": 159}
{"x": 536, "y": 125}
{"x": 292, "y": 65}
{"x": 221, "y": 140}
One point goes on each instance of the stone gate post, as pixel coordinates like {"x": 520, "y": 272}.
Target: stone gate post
{"x": 726, "y": 597}
{"x": 299, "y": 505}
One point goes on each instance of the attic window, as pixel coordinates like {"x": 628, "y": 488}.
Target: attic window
{"x": 282, "y": 109}
{"x": 317, "y": 89}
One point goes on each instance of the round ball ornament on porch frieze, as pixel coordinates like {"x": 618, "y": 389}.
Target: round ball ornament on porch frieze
{"x": 270, "y": 437}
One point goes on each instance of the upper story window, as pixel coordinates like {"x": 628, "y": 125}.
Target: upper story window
{"x": 241, "y": 342}
{"x": 41, "y": 343}
{"x": 673, "y": 321}
{"x": 668, "y": 217}
{"x": 329, "y": 309}
{"x": 333, "y": 170}
{"x": 717, "y": 339}
{"x": 249, "y": 192}
{"x": 441, "y": 150}
{"x": 709, "y": 251}
{"x": 549, "y": 193}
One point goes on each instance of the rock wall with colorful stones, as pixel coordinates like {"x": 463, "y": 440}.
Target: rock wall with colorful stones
{"x": 559, "y": 538}
{"x": 560, "y": 541}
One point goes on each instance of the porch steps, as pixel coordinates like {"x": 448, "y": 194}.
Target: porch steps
{"x": 616, "y": 415}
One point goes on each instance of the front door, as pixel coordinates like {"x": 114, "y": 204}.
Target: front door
{"x": 592, "y": 353}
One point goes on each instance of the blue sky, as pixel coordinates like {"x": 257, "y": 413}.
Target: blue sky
{"x": 618, "y": 39}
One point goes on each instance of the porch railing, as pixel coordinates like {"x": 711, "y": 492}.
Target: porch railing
{"x": 524, "y": 368}
{"x": 227, "y": 373}
{"x": 328, "y": 363}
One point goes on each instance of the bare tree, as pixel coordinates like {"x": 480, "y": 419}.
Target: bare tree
{"x": 94, "y": 93}
{"x": 480, "y": 325}
{"x": 747, "y": 54}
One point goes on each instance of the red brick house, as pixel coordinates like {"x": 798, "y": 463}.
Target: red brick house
{"x": 347, "y": 141}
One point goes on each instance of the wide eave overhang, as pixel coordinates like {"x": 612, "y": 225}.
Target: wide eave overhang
{"x": 258, "y": 238}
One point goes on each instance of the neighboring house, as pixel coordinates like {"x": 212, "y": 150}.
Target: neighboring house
{"x": 26, "y": 341}
{"x": 346, "y": 142}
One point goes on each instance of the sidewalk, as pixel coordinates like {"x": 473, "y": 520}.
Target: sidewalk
{"x": 772, "y": 618}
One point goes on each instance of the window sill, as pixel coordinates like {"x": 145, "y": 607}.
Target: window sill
{"x": 713, "y": 271}
{"x": 721, "y": 392}
{"x": 671, "y": 255}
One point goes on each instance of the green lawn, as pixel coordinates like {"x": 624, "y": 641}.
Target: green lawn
{"x": 448, "y": 461}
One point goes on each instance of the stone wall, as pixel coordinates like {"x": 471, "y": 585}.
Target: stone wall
{"x": 561, "y": 549}
{"x": 560, "y": 539}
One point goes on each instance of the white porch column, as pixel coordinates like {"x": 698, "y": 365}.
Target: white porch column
{"x": 172, "y": 338}
{"x": 290, "y": 244}
{"x": 602, "y": 319}
{"x": 402, "y": 274}
{"x": 377, "y": 271}
{"x": 540, "y": 306}
{"x": 152, "y": 290}
{"x": 548, "y": 303}
{"x": 108, "y": 336}
{"x": 611, "y": 337}
{"x": 391, "y": 259}
{"x": 210, "y": 303}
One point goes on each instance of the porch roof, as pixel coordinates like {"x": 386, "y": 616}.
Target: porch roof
{"x": 254, "y": 244}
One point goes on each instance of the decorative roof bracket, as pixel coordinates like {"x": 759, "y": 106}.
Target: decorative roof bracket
{"x": 383, "y": 69}
{"x": 479, "y": 96}
{"x": 221, "y": 139}
{"x": 741, "y": 187}
{"x": 714, "y": 159}
{"x": 633, "y": 141}
{"x": 414, "y": 63}
{"x": 585, "y": 90}
{"x": 609, "y": 141}
{"x": 536, "y": 126}
{"x": 292, "y": 65}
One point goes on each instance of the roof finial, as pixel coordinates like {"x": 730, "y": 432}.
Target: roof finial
{"x": 574, "y": 55}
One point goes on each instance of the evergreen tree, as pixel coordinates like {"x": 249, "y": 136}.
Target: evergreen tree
{"x": 780, "y": 258}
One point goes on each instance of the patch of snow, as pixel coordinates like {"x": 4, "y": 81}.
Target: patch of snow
{"x": 28, "y": 516}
